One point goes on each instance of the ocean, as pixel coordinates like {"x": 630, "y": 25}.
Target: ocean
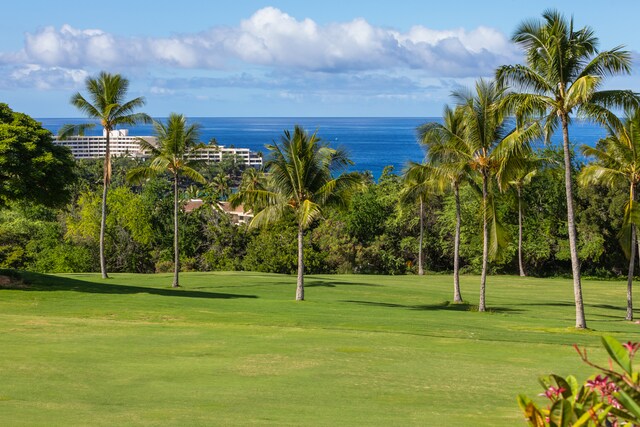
{"x": 372, "y": 142}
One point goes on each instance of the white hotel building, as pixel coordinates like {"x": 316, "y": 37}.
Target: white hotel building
{"x": 121, "y": 144}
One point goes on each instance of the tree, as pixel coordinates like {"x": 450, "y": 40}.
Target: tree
{"x": 418, "y": 186}
{"x": 522, "y": 176}
{"x": 562, "y": 75}
{"x": 618, "y": 161}
{"x": 106, "y": 104}
{"x": 492, "y": 151}
{"x": 32, "y": 168}
{"x": 301, "y": 183}
{"x": 176, "y": 141}
{"x": 450, "y": 169}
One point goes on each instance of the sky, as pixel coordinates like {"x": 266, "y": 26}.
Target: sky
{"x": 251, "y": 58}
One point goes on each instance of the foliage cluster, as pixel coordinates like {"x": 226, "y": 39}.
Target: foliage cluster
{"x": 376, "y": 234}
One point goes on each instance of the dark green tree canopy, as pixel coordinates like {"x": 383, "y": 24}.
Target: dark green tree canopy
{"x": 32, "y": 168}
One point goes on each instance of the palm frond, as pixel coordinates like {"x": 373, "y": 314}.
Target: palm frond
{"x": 69, "y": 130}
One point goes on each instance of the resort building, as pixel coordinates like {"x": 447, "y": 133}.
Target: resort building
{"x": 237, "y": 215}
{"x": 122, "y": 144}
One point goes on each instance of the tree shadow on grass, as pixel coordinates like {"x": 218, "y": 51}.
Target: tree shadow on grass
{"x": 446, "y": 306}
{"x": 44, "y": 282}
{"x": 312, "y": 283}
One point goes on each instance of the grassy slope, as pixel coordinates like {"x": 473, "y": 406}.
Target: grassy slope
{"x": 234, "y": 349}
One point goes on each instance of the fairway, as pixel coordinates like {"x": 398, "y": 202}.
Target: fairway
{"x": 235, "y": 349}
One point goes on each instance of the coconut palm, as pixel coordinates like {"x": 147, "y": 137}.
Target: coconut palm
{"x": 448, "y": 169}
{"x": 521, "y": 177}
{"x": 491, "y": 150}
{"x": 618, "y": 162}
{"x": 106, "y": 104}
{"x": 419, "y": 184}
{"x": 563, "y": 74}
{"x": 301, "y": 182}
{"x": 176, "y": 141}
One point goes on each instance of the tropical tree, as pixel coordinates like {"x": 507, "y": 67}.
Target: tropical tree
{"x": 450, "y": 170}
{"x": 491, "y": 151}
{"x": 618, "y": 163}
{"x": 176, "y": 141}
{"x": 32, "y": 167}
{"x": 301, "y": 182}
{"x": 562, "y": 75}
{"x": 106, "y": 104}
{"x": 521, "y": 177}
{"x": 418, "y": 186}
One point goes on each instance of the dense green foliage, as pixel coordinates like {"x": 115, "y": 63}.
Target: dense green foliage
{"x": 376, "y": 234}
{"x": 31, "y": 168}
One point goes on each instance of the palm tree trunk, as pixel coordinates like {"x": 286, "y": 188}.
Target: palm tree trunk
{"x": 581, "y": 322}
{"x": 103, "y": 219}
{"x": 176, "y": 254}
{"x": 300, "y": 283}
{"x": 485, "y": 244}
{"x": 420, "y": 266}
{"x": 457, "y": 296}
{"x": 520, "y": 263}
{"x": 632, "y": 257}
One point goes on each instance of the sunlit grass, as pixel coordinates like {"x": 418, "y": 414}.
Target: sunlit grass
{"x": 235, "y": 349}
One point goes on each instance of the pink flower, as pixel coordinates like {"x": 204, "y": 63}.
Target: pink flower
{"x": 553, "y": 392}
{"x": 631, "y": 347}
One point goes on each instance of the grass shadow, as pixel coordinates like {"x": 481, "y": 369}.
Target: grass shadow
{"x": 43, "y": 282}
{"x": 446, "y": 306}
{"x": 313, "y": 283}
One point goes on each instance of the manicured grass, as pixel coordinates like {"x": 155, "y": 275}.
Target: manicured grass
{"x": 235, "y": 349}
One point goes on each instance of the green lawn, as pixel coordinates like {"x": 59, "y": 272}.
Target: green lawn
{"x": 235, "y": 349}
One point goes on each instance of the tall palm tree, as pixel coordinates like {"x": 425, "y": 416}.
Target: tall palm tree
{"x": 418, "y": 186}
{"x": 563, "y": 74}
{"x": 618, "y": 162}
{"x": 107, "y": 104}
{"x": 301, "y": 182}
{"x": 449, "y": 169}
{"x": 492, "y": 150}
{"x": 176, "y": 141}
{"x": 522, "y": 176}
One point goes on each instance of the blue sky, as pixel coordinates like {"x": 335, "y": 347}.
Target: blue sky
{"x": 277, "y": 58}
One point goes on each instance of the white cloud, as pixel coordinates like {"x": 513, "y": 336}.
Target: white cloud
{"x": 43, "y": 78}
{"x": 272, "y": 38}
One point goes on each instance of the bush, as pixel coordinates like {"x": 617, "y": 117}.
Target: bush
{"x": 609, "y": 398}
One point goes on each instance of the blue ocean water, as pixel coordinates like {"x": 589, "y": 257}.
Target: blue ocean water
{"x": 373, "y": 142}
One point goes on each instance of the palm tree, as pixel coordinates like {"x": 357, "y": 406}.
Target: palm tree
{"x": 301, "y": 182}
{"x": 107, "y": 104}
{"x": 491, "y": 151}
{"x": 418, "y": 186}
{"x": 176, "y": 141}
{"x": 618, "y": 162}
{"x": 522, "y": 176}
{"x": 449, "y": 169}
{"x": 562, "y": 75}
{"x": 219, "y": 185}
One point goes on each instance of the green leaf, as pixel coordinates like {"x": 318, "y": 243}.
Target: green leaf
{"x": 531, "y": 411}
{"x": 562, "y": 383}
{"x": 589, "y": 414}
{"x": 561, "y": 413}
{"x": 629, "y": 404}
{"x": 573, "y": 384}
{"x": 618, "y": 353}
